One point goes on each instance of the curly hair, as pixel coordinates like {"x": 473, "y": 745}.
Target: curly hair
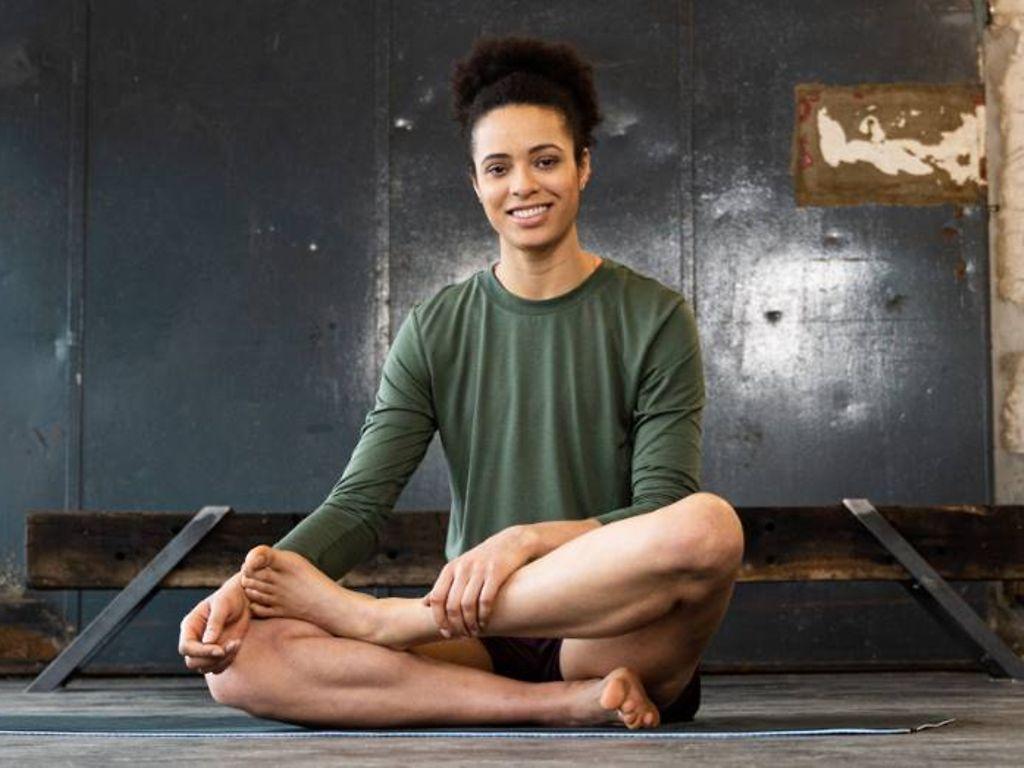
{"x": 522, "y": 70}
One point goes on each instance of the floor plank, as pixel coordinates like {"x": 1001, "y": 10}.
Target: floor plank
{"x": 989, "y": 714}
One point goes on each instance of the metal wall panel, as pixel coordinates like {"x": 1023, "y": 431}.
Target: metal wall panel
{"x": 36, "y": 353}
{"x": 230, "y": 251}
{"x": 231, "y": 255}
{"x": 873, "y": 378}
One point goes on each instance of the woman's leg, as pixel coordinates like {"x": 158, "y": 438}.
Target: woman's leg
{"x": 294, "y": 671}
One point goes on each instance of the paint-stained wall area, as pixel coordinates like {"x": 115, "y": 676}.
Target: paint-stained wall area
{"x": 1003, "y": 56}
{"x": 905, "y": 144}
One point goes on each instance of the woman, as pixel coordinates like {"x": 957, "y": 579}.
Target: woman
{"x": 586, "y": 572}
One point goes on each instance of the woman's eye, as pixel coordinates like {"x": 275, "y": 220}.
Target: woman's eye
{"x": 547, "y": 162}
{"x": 494, "y": 168}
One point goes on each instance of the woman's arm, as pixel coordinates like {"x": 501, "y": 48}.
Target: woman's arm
{"x": 345, "y": 529}
{"x": 667, "y": 418}
{"x": 541, "y": 538}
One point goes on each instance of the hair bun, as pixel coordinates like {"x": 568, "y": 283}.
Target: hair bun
{"x": 494, "y": 61}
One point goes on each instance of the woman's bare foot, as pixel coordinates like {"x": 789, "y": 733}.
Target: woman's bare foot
{"x": 282, "y": 583}
{"x": 617, "y": 697}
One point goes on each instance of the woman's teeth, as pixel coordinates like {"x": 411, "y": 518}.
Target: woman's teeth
{"x": 525, "y": 213}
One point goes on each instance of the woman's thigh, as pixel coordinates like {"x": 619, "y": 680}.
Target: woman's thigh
{"x": 465, "y": 651}
{"x": 664, "y": 653}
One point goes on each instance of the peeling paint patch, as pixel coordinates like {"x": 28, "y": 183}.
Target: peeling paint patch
{"x": 1013, "y": 406}
{"x": 957, "y": 152}
{"x": 1007, "y": 86}
{"x": 907, "y": 144}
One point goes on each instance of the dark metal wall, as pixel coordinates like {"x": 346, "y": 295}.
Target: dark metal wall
{"x": 232, "y": 207}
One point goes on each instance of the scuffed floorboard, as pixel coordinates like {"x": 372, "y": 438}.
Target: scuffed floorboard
{"x": 986, "y": 732}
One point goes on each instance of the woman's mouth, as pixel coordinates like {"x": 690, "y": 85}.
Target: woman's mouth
{"x": 532, "y": 216}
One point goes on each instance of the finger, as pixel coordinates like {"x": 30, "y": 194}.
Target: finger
{"x": 188, "y": 640}
{"x": 220, "y": 666}
{"x": 470, "y": 601}
{"x": 192, "y": 625}
{"x": 230, "y": 652}
{"x": 453, "y": 606}
{"x": 197, "y": 663}
{"x": 438, "y": 597}
{"x": 214, "y": 623}
{"x": 201, "y": 650}
{"x": 487, "y": 596}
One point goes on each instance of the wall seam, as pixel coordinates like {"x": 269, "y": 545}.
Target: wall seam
{"x": 687, "y": 79}
{"x": 382, "y": 26}
{"x": 77, "y": 191}
{"x": 382, "y": 23}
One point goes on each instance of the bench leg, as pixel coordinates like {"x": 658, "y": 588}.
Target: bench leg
{"x": 128, "y": 602}
{"x": 937, "y": 596}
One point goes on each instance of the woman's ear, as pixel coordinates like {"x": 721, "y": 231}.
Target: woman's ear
{"x": 584, "y": 167}
{"x": 476, "y": 187}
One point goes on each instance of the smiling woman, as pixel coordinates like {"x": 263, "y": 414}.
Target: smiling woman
{"x": 527, "y": 110}
{"x": 585, "y": 571}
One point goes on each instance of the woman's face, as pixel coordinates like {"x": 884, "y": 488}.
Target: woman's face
{"x": 523, "y": 161}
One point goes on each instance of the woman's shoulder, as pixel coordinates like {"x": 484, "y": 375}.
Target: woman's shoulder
{"x": 450, "y": 301}
{"x": 640, "y": 291}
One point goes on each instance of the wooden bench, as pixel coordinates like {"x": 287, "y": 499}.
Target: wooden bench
{"x": 95, "y": 549}
{"x": 98, "y": 549}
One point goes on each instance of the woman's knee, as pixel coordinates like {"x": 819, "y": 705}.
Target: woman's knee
{"x": 260, "y": 665}
{"x": 708, "y": 535}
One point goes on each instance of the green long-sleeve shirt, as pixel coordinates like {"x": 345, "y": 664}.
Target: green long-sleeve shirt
{"x": 584, "y": 405}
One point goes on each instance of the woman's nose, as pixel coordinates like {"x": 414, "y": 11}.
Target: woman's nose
{"x": 522, "y": 182}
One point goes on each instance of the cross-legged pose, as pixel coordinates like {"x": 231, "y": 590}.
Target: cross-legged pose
{"x": 586, "y": 570}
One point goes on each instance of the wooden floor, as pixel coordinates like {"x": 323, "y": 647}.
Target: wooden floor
{"x": 989, "y": 727}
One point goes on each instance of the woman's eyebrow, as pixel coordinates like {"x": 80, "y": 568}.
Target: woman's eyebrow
{"x": 532, "y": 150}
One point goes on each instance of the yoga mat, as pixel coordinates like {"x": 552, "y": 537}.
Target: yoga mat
{"x": 245, "y": 727}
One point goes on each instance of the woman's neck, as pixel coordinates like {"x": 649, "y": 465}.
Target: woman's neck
{"x": 537, "y": 276}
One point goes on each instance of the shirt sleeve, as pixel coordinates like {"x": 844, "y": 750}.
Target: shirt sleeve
{"x": 345, "y": 529}
{"x": 666, "y": 427}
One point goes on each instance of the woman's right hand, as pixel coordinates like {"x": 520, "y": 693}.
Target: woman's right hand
{"x": 212, "y": 632}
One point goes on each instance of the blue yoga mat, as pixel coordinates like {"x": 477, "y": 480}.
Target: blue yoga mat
{"x": 244, "y": 727}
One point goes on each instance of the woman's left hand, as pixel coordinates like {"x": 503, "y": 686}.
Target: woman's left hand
{"x": 463, "y": 595}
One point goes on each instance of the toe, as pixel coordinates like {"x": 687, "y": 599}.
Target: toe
{"x": 259, "y": 596}
{"x": 263, "y": 611}
{"x": 260, "y": 580}
{"x": 259, "y": 557}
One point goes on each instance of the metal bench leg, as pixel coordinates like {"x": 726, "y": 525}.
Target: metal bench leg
{"x": 937, "y": 596}
{"x": 128, "y": 602}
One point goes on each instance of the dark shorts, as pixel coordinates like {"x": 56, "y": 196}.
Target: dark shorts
{"x": 535, "y": 660}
